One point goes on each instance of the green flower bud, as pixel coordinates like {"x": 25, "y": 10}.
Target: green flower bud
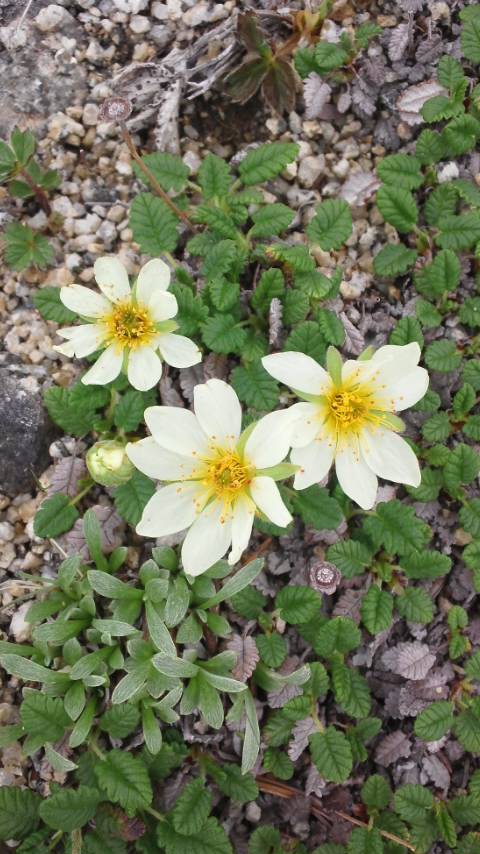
{"x": 108, "y": 463}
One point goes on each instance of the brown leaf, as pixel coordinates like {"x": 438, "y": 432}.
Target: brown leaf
{"x": 250, "y": 33}
{"x": 359, "y": 187}
{"x": 316, "y": 94}
{"x": 300, "y": 734}
{"x": 399, "y": 38}
{"x": 393, "y": 747}
{"x": 168, "y": 394}
{"x": 189, "y": 378}
{"x": 65, "y": 476}
{"x": 412, "y": 100}
{"x": 112, "y": 528}
{"x": 410, "y": 660}
{"x": 354, "y": 340}
{"x": 279, "y": 86}
{"x": 242, "y": 83}
{"x": 246, "y": 651}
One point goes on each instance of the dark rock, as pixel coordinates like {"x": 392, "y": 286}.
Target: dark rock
{"x": 25, "y": 435}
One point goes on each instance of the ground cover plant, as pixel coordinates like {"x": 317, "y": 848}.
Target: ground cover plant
{"x": 255, "y": 626}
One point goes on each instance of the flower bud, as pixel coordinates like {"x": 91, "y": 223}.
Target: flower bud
{"x": 108, "y": 463}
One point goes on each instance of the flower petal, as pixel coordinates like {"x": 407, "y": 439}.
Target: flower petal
{"x": 269, "y": 441}
{"x": 177, "y": 430}
{"x": 207, "y": 540}
{"x": 106, "y": 368}
{"x": 390, "y": 457}
{"x": 219, "y": 413}
{"x": 144, "y": 368}
{"x": 307, "y": 424}
{"x": 315, "y": 460}
{"x": 157, "y": 462}
{"x": 266, "y": 496}
{"x": 162, "y": 306}
{"x": 173, "y": 508}
{"x": 178, "y": 351}
{"x": 154, "y": 276}
{"x": 242, "y": 523}
{"x": 354, "y": 476}
{"x": 387, "y": 365}
{"x": 406, "y": 391}
{"x": 298, "y": 371}
{"x": 112, "y": 278}
{"x": 85, "y": 339}
{"x": 84, "y": 301}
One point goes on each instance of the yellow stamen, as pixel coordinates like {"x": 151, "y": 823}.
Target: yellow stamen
{"x": 352, "y": 407}
{"x": 227, "y": 475}
{"x": 130, "y": 325}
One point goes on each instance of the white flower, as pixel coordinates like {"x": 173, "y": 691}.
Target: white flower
{"x": 347, "y": 417}
{"x": 134, "y": 328}
{"x": 220, "y": 476}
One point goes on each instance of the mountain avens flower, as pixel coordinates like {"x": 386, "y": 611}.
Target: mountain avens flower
{"x": 133, "y": 327}
{"x": 347, "y": 417}
{"x": 219, "y": 477}
{"x": 108, "y": 463}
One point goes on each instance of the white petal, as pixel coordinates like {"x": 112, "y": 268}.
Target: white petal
{"x": 178, "y": 351}
{"x": 85, "y": 339}
{"x": 173, "y": 508}
{"x": 162, "y": 306}
{"x": 207, "y": 540}
{"x": 298, "y": 371}
{"x": 106, "y": 368}
{"x": 407, "y": 354}
{"x": 157, "y": 462}
{"x": 387, "y": 365}
{"x": 406, "y": 391}
{"x": 219, "y": 413}
{"x": 390, "y": 457}
{"x": 355, "y": 477}
{"x": 144, "y": 368}
{"x": 84, "y": 301}
{"x": 314, "y": 460}
{"x": 243, "y": 514}
{"x": 269, "y": 442}
{"x": 266, "y": 496}
{"x": 153, "y": 277}
{"x": 177, "y": 430}
{"x": 307, "y": 424}
{"x": 112, "y": 278}
{"x": 67, "y": 349}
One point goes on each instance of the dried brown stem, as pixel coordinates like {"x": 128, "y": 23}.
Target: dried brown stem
{"x": 39, "y": 194}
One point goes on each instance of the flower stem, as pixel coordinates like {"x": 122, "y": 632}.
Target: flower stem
{"x": 82, "y": 493}
{"x": 151, "y": 177}
{"x": 55, "y": 840}
{"x": 39, "y": 194}
{"x": 155, "y": 813}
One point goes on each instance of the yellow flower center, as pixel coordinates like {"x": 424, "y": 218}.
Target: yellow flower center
{"x": 227, "y": 475}
{"x": 352, "y": 407}
{"x": 130, "y": 325}
{"x": 348, "y": 407}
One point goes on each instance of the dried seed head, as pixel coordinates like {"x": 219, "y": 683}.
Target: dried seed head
{"x": 115, "y": 109}
{"x": 324, "y": 577}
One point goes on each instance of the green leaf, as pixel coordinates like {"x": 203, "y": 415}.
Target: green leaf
{"x": 169, "y": 170}
{"x": 329, "y": 56}
{"x": 192, "y": 311}
{"x": 442, "y": 275}
{"x": 23, "y": 144}
{"x": 461, "y": 135}
{"x": 271, "y": 220}
{"x": 464, "y": 400}
{"x": 459, "y": 232}
{"x": 471, "y": 373}
{"x": 332, "y": 224}
{"x": 74, "y": 409}
{"x": 470, "y": 312}
{"x": 425, "y": 564}
{"x": 212, "y": 839}
{"x": 55, "y": 516}
{"x": 153, "y": 225}
{"x": 467, "y": 727}
{"x": 407, "y": 330}
{"x": 192, "y": 808}
{"x": 124, "y": 779}
{"x": 435, "y": 721}
{"x": 443, "y": 356}
{"x": 351, "y": 690}
{"x": 412, "y": 802}
{"x": 394, "y": 260}
{"x": 225, "y": 295}
{"x": 313, "y": 283}
{"x": 376, "y": 792}
{"x": 29, "y": 671}
{"x": 296, "y": 306}
{"x": 364, "y": 840}
{"x": 440, "y": 107}
{"x": 470, "y": 39}
{"x": 24, "y": 248}
{"x": 397, "y": 527}
{"x": 449, "y": 72}
{"x": 430, "y": 147}
{"x": 43, "y": 717}
{"x": 120, "y": 721}
{"x": 234, "y": 585}
{"x": 255, "y": 386}
{"x": 470, "y": 517}
{"x": 317, "y": 508}
{"x": 376, "y": 610}
{"x": 251, "y": 742}
{"x": 339, "y": 634}
{"x": 278, "y": 764}
{"x": 222, "y": 334}
{"x": 47, "y": 301}
{"x": 472, "y": 428}
{"x": 350, "y": 556}
{"x": 462, "y": 466}
{"x": 331, "y": 326}
{"x": 272, "y": 649}
{"x": 70, "y": 809}
{"x": 401, "y": 170}
{"x": 237, "y": 786}
{"x": 18, "y": 812}
{"x": 270, "y": 285}
{"x": 214, "y": 177}
{"x": 307, "y": 338}
{"x": 266, "y": 162}
{"x": 331, "y": 754}
{"x": 107, "y": 585}
{"x": 397, "y": 207}
{"x": 298, "y": 604}
{"x": 441, "y": 202}
{"x": 437, "y": 428}
{"x": 130, "y": 408}
{"x": 131, "y": 498}
{"x": 415, "y": 605}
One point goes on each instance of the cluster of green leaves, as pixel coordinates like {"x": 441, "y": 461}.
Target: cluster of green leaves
{"x": 333, "y": 60}
{"x": 24, "y": 178}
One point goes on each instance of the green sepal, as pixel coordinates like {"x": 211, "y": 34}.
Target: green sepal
{"x": 334, "y": 365}
{"x": 282, "y": 471}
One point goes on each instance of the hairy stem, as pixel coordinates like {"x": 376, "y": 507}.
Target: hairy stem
{"x": 39, "y": 194}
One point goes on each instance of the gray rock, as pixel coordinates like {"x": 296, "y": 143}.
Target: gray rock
{"x": 25, "y": 435}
